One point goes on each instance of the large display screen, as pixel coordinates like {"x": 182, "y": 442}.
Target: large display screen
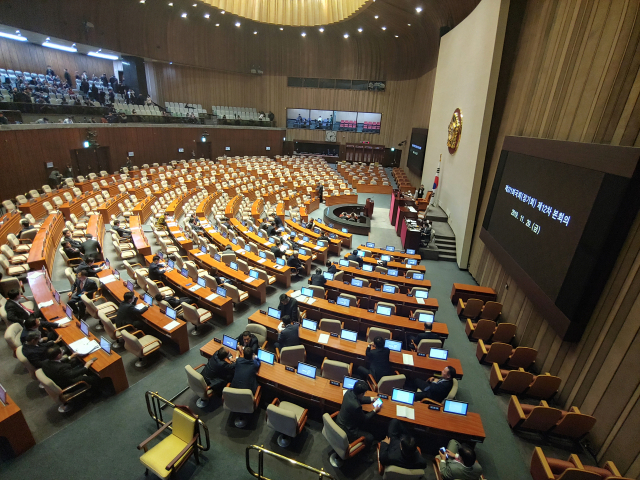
{"x": 336, "y": 120}
{"x": 554, "y": 222}
{"x": 415, "y": 160}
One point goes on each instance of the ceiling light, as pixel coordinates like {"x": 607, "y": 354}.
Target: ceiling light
{"x": 142, "y": 1}
{"x": 103, "y": 55}
{"x": 195, "y": 4}
{"x": 384, "y": 28}
{"x": 222, "y": 12}
{"x": 376, "y": 17}
{"x": 237, "y": 24}
{"x": 408, "y": 24}
{"x": 19, "y": 38}
{"x": 170, "y": 63}
{"x": 346, "y": 35}
{"x": 321, "y": 29}
{"x": 396, "y": 36}
{"x": 184, "y": 15}
{"x": 418, "y": 9}
{"x": 255, "y": 33}
{"x": 217, "y": 24}
{"x": 59, "y": 47}
{"x": 206, "y": 15}
{"x": 171, "y": 4}
{"x": 303, "y": 34}
{"x": 281, "y": 28}
{"x": 360, "y": 30}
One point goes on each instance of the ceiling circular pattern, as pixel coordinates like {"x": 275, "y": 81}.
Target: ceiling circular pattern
{"x": 297, "y": 13}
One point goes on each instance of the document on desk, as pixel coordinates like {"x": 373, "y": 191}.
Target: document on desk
{"x": 140, "y": 306}
{"x": 171, "y": 325}
{"x": 249, "y": 279}
{"x": 267, "y": 244}
{"x": 317, "y": 247}
{"x": 172, "y": 224}
{"x": 212, "y": 296}
{"x": 45, "y": 304}
{"x": 84, "y": 346}
{"x": 198, "y": 254}
{"x": 108, "y": 279}
{"x": 181, "y": 239}
{"x": 241, "y": 251}
{"x": 407, "y": 359}
{"x": 295, "y": 294}
{"x": 310, "y": 301}
{"x": 324, "y": 338}
{"x": 62, "y": 321}
{"x": 300, "y": 242}
{"x": 262, "y": 260}
{"x": 406, "y": 412}
{"x": 194, "y": 288}
{"x": 412, "y": 210}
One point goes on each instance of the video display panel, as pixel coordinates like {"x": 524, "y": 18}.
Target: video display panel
{"x": 336, "y": 120}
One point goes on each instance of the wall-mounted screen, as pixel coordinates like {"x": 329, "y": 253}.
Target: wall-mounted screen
{"x": 415, "y": 160}
{"x": 336, "y": 120}
{"x": 297, "y": 118}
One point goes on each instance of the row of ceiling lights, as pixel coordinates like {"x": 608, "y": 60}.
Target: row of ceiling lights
{"x": 49, "y": 44}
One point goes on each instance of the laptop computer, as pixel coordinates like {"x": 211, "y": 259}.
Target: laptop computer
{"x": 453, "y": 406}
{"x": 230, "y": 342}
{"x": 262, "y": 254}
{"x": 185, "y": 273}
{"x": 367, "y": 268}
{"x": 148, "y": 299}
{"x": 328, "y": 276}
{"x": 418, "y": 276}
{"x": 233, "y": 265}
{"x": 385, "y": 258}
{"x": 388, "y": 289}
{"x": 309, "y": 324}
{"x": 411, "y": 251}
{"x": 371, "y": 244}
{"x": 425, "y": 317}
{"x": 349, "y": 382}
{"x": 402, "y": 396}
{"x": 217, "y": 257}
{"x": 306, "y": 370}
{"x": 438, "y": 353}
{"x": 383, "y": 310}
{"x": 394, "y": 345}
{"x": 274, "y": 312}
{"x": 105, "y": 345}
{"x": 390, "y": 248}
{"x": 412, "y": 261}
{"x": 130, "y": 285}
{"x": 266, "y": 357}
{"x": 280, "y": 261}
{"x": 343, "y": 302}
{"x": 392, "y": 272}
{"x": 221, "y": 291}
{"x": 171, "y": 313}
{"x": 84, "y": 328}
{"x": 69, "y": 311}
{"x": 356, "y": 282}
{"x": 3, "y": 395}
{"x": 349, "y": 335}
{"x": 254, "y": 274}
{"x": 202, "y": 282}
{"x": 422, "y": 294}
{"x": 344, "y": 263}
{"x": 361, "y": 253}
{"x": 307, "y": 292}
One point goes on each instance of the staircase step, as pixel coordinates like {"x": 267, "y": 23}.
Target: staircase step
{"x": 446, "y": 257}
{"x": 449, "y": 240}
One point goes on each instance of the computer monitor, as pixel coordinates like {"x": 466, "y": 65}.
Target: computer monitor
{"x": 116, "y": 273}
{"x": 250, "y": 229}
{"x": 185, "y": 273}
{"x": 356, "y": 282}
{"x": 383, "y": 310}
{"x": 349, "y": 335}
{"x": 266, "y": 357}
{"x": 280, "y": 261}
{"x": 56, "y": 296}
{"x": 84, "y": 327}
{"x": 217, "y": 257}
{"x": 69, "y": 311}
{"x": 333, "y": 236}
{"x": 344, "y": 230}
{"x": 148, "y": 299}
{"x": 254, "y": 274}
{"x": 422, "y": 293}
{"x": 344, "y": 263}
{"x": 322, "y": 243}
{"x": 438, "y": 353}
{"x": 233, "y": 265}
{"x": 309, "y": 324}
{"x": 234, "y": 241}
{"x": 394, "y": 345}
{"x": 343, "y": 302}
{"x": 328, "y": 276}
{"x": 170, "y": 263}
{"x": 272, "y": 240}
{"x": 130, "y": 285}
{"x": 105, "y": 345}
{"x": 230, "y": 342}
{"x": 388, "y": 289}
{"x": 305, "y": 238}
{"x": 418, "y": 276}
{"x": 453, "y": 406}
{"x": 171, "y": 313}
{"x": 203, "y": 249}
{"x": 107, "y": 263}
{"x": 221, "y": 291}
{"x": 412, "y": 261}
{"x": 349, "y": 382}
{"x": 201, "y": 281}
{"x": 402, "y": 396}
{"x": 3, "y": 395}
{"x": 390, "y": 248}
{"x": 306, "y": 370}
{"x": 361, "y": 253}
{"x": 161, "y": 255}
{"x": 425, "y": 317}
{"x": 392, "y": 272}
{"x": 385, "y": 258}
{"x": 307, "y": 292}
{"x": 371, "y": 245}
{"x": 274, "y": 312}
{"x": 316, "y": 230}
{"x": 367, "y": 268}
{"x": 330, "y": 225}
{"x": 302, "y": 251}
{"x": 411, "y": 251}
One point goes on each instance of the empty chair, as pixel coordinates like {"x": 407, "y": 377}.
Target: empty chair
{"x": 482, "y": 330}
{"x": 539, "y": 418}
{"x": 373, "y": 332}
{"x": 544, "y": 386}
{"x": 18, "y": 245}
{"x": 330, "y": 325}
{"x": 154, "y": 289}
{"x": 237, "y": 296}
{"x": 380, "y": 269}
{"x": 470, "y": 309}
{"x": 426, "y": 344}
{"x": 12, "y": 257}
{"x": 522, "y": 357}
{"x": 337, "y": 438}
{"x": 195, "y": 316}
{"x": 511, "y": 381}
{"x": 491, "y": 310}
{"x": 12, "y": 336}
{"x": 60, "y": 395}
{"x": 388, "y": 383}
{"x": 335, "y": 370}
{"x": 544, "y": 468}
{"x": 140, "y": 345}
{"x": 318, "y": 292}
{"x": 286, "y": 418}
{"x": 291, "y": 356}
{"x": 574, "y": 424}
{"x": 495, "y": 353}
{"x": 198, "y": 385}
{"x": 110, "y": 329}
{"x": 241, "y": 401}
{"x": 353, "y": 301}
{"x": 504, "y": 333}
{"x": 93, "y": 308}
{"x": 132, "y": 271}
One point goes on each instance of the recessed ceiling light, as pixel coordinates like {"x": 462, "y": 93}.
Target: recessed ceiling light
{"x": 171, "y": 4}
{"x": 346, "y": 35}
{"x": 170, "y": 63}
{"x": 281, "y": 28}
{"x": 184, "y": 15}
{"x": 321, "y": 29}
{"x": 195, "y": 4}
{"x": 384, "y": 28}
{"x": 217, "y": 24}
{"x": 396, "y": 36}
{"x": 303, "y": 34}
{"x": 237, "y": 24}
{"x": 206, "y": 15}
{"x": 376, "y": 17}
{"x": 418, "y": 9}
{"x": 408, "y": 24}
{"x": 255, "y": 33}
{"x": 142, "y": 1}
{"x": 222, "y": 12}
{"x": 360, "y": 30}
{"x": 18, "y": 32}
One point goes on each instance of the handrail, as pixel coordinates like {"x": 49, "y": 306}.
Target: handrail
{"x": 154, "y": 407}
{"x": 260, "y": 473}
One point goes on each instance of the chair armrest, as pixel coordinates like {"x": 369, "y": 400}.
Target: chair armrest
{"x": 24, "y": 240}
{"x": 380, "y": 466}
{"x": 67, "y": 393}
{"x": 335, "y": 414}
{"x": 158, "y": 282}
{"x": 187, "y": 447}
{"x": 264, "y": 345}
{"x": 543, "y": 403}
{"x": 277, "y": 354}
{"x": 302, "y": 420}
{"x": 573, "y": 458}
{"x": 469, "y": 328}
{"x": 574, "y": 410}
{"x": 138, "y": 332}
{"x": 199, "y": 366}
{"x": 134, "y": 264}
{"x": 256, "y": 399}
{"x": 431, "y": 402}
{"x": 460, "y": 306}
{"x": 276, "y": 402}
{"x": 372, "y": 383}
{"x": 350, "y": 368}
{"x": 612, "y": 468}
{"x": 124, "y": 328}
{"x": 517, "y": 407}
{"x": 495, "y": 377}
{"x": 353, "y": 444}
{"x": 153, "y": 435}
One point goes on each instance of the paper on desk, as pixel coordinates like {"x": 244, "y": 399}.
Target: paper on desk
{"x": 181, "y": 239}
{"x": 194, "y": 288}
{"x": 405, "y": 412}
{"x": 84, "y": 346}
{"x": 310, "y": 301}
{"x": 249, "y": 279}
{"x": 317, "y": 247}
{"x": 420, "y": 300}
{"x": 262, "y": 260}
{"x": 45, "y": 304}
{"x": 140, "y": 306}
{"x": 412, "y": 210}
{"x": 212, "y": 296}
{"x": 198, "y": 254}
{"x": 279, "y": 267}
{"x": 62, "y": 321}
{"x": 323, "y": 338}
{"x": 172, "y": 224}
{"x": 267, "y": 244}
{"x": 295, "y": 294}
{"x": 407, "y": 359}
{"x": 300, "y": 242}
{"x": 108, "y": 279}
{"x": 241, "y": 251}
{"x": 171, "y": 325}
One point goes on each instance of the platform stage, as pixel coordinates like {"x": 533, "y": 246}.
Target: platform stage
{"x": 332, "y": 213}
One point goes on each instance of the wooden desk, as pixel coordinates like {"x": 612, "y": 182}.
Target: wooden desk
{"x": 177, "y": 234}
{"x": 9, "y": 223}
{"x": 153, "y": 316}
{"x": 409, "y": 236}
{"x": 330, "y": 200}
{"x": 312, "y": 205}
{"x": 46, "y": 242}
{"x": 346, "y": 237}
{"x": 138, "y": 237}
{"x": 143, "y": 208}
{"x": 321, "y": 253}
{"x": 370, "y": 188}
{"x": 355, "y": 352}
{"x": 335, "y": 245}
{"x": 402, "y": 267}
{"x": 95, "y": 226}
{"x": 320, "y": 393}
{"x": 404, "y": 212}
{"x": 75, "y": 206}
{"x": 258, "y": 207}
{"x": 110, "y": 207}
{"x": 14, "y": 427}
{"x": 465, "y": 292}
{"x": 107, "y": 366}
{"x": 35, "y": 206}
{"x": 380, "y": 278}
{"x": 395, "y": 254}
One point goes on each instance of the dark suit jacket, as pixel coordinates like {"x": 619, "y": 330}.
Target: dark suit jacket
{"x": 74, "y": 243}
{"x": 253, "y": 343}
{"x": 91, "y": 247}
{"x": 271, "y": 230}
{"x": 89, "y": 287}
{"x": 295, "y": 263}
{"x": 276, "y": 251}
{"x": 318, "y": 279}
{"x": 278, "y": 221}
{"x": 71, "y": 252}
{"x": 245, "y": 374}
{"x": 36, "y": 354}
{"x": 122, "y": 232}
{"x": 391, "y": 454}
{"x": 351, "y": 417}
{"x": 332, "y": 268}
{"x": 62, "y": 373}
{"x": 289, "y": 336}
{"x": 290, "y": 309}
{"x": 155, "y": 273}
{"x": 356, "y": 258}
{"x": 439, "y": 391}
{"x": 15, "y": 313}
{"x": 379, "y": 365}
{"x": 127, "y": 314}
{"x": 218, "y": 369}
{"x": 92, "y": 271}
{"x": 47, "y": 329}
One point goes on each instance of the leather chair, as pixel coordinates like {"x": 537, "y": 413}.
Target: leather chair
{"x": 195, "y": 316}
{"x": 504, "y": 333}
{"x": 482, "y": 330}
{"x": 260, "y": 331}
{"x": 436, "y": 466}
{"x": 388, "y": 383}
{"x": 470, "y": 309}
{"x": 544, "y": 386}
{"x": 74, "y": 262}
{"x": 338, "y": 276}
{"x": 132, "y": 271}
{"x": 60, "y": 395}
{"x": 392, "y": 306}
{"x": 338, "y": 440}
{"x": 380, "y": 269}
{"x": 287, "y": 419}
{"x": 19, "y": 245}
{"x": 11, "y": 255}
{"x": 290, "y": 356}
{"x": 153, "y": 289}
{"x": 373, "y": 332}
{"x": 510, "y": 381}
{"x": 198, "y": 385}
{"x": 335, "y": 370}
{"x": 353, "y": 301}
{"x": 541, "y": 418}
{"x": 318, "y": 292}
{"x": 495, "y": 353}
{"x": 546, "y": 468}
{"x": 241, "y": 401}
{"x": 365, "y": 282}
{"x": 168, "y": 456}
{"x": 93, "y": 308}
{"x": 392, "y": 472}
{"x": 12, "y": 270}
{"x": 330, "y": 325}
{"x": 27, "y": 364}
{"x": 427, "y": 344}
{"x": 237, "y": 296}
{"x": 450, "y": 396}
{"x": 12, "y": 336}
{"x": 491, "y": 310}
{"x": 140, "y": 345}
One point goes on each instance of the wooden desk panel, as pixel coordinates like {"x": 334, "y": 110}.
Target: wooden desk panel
{"x": 380, "y": 278}
{"x": 138, "y": 237}
{"x": 335, "y": 245}
{"x": 46, "y": 242}
{"x": 369, "y": 188}
{"x": 75, "y": 206}
{"x": 110, "y": 207}
{"x": 379, "y": 295}
{"x": 312, "y": 205}
{"x": 403, "y": 267}
{"x": 9, "y": 223}
{"x": 14, "y": 427}
{"x": 395, "y": 254}
{"x": 465, "y": 292}
{"x": 95, "y": 226}
{"x": 330, "y": 200}
{"x": 143, "y": 208}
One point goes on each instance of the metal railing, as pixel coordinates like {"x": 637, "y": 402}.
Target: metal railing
{"x": 155, "y": 406}
{"x": 260, "y": 473}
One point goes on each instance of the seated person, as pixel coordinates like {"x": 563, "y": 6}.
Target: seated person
{"x": 433, "y": 388}
{"x": 353, "y": 217}
{"x": 65, "y": 374}
{"x": 288, "y": 306}
{"x": 175, "y": 302}
{"x": 399, "y": 448}
{"x": 16, "y": 311}
{"x": 246, "y": 370}
{"x": 156, "y": 270}
{"x": 248, "y": 339}
{"x": 459, "y": 463}
{"x": 288, "y": 335}
{"x": 46, "y": 329}
{"x": 353, "y": 256}
{"x": 323, "y": 238}
{"x": 309, "y": 224}
{"x": 128, "y": 314}
{"x": 295, "y": 263}
{"x": 352, "y": 418}
{"x": 277, "y": 221}
{"x": 35, "y": 349}
{"x": 90, "y": 266}
{"x": 331, "y": 267}
{"x": 414, "y": 340}
{"x": 26, "y": 227}
{"x": 121, "y": 231}
{"x": 67, "y": 237}
{"x": 271, "y": 229}
{"x": 82, "y": 286}
{"x": 69, "y": 250}
{"x": 275, "y": 249}
{"x": 318, "y": 279}
{"x": 378, "y": 360}
{"x": 219, "y": 370}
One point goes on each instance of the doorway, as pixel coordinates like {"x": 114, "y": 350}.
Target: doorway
{"x": 203, "y": 150}
{"x": 91, "y": 160}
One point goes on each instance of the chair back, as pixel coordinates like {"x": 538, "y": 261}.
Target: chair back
{"x": 398, "y": 473}
{"x": 498, "y": 353}
{"x": 472, "y": 308}
{"x": 523, "y": 357}
{"x": 516, "y": 381}
{"x": 336, "y": 437}
{"x": 27, "y": 364}
{"x": 484, "y": 329}
{"x": 542, "y": 418}
{"x": 190, "y": 314}
{"x": 152, "y": 288}
{"x": 427, "y": 344}
{"x": 132, "y": 344}
{"x": 544, "y": 386}
{"x": 260, "y": 331}
{"x": 318, "y": 292}
{"x": 210, "y": 282}
{"x": 238, "y": 400}
{"x": 282, "y": 420}
{"x": 192, "y": 271}
{"x": 183, "y": 425}
{"x": 379, "y": 269}
{"x": 388, "y": 383}
{"x": 290, "y": 356}
{"x": 109, "y": 327}
{"x": 232, "y": 292}
{"x": 418, "y": 289}
{"x": 334, "y": 370}
{"x": 330, "y": 325}
{"x": 491, "y": 310}
{"x": 52, "y": 389}
{"x": 574, "y": 424}
{"x": 91, "y": 307}
{"x": 338, "y": 276}
{"x": 196, "y": 382}
{"x": 504, "y": 333}
{"x": 454, "y": 389}
{"x": 12, "y": 336}
{"x": 374, "y": 332}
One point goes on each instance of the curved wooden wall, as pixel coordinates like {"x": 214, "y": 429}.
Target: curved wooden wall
{"x": 575, "y": 76}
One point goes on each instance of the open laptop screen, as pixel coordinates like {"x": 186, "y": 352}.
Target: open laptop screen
{"x": 349, "y": 335}
{"x": 306, "y": 370}
{"x": 394, "y": 345}
{"x": 402, "y": 396}
{"x": 343, "y": 302}
{"x": 230, "y": 342}
{"x": 367, "y": 268}
{"x": 171, "y": 313}
{"x": 349, "y": 382}
{"x": 328, "y": 276}
{"x": 105, "y": 345}
{"x": 274, "y": 312}
{"x": 383, "y": 310}
{"x": 438, "y": 353}
{"x": 452, "y": 406}
{"x": 309, "y": 324}
{"x": 425, "y": 317}
{"x": 265, "y": 356}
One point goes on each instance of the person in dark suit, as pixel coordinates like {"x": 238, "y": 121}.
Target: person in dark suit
{"x": 353, "y": 256}
{"x": 34, "y": 349}
{"x": 435, "y": 389}
{"x": 288, "y": 306}
{"x": 289, "y": 335}
{"x": 65, "y": 374}
{"x": 332, "y": 268}
{"x": 378, "y": 360}
{"x": 156, "y": 270}
{"x": 89, "y": 265}
{"x": 414, "y": 340}
{"x": 175, "y": 302}
{"x": 69, "y": 238}
{"x": 246, "y": 370}
{"x": 91, "y": 247}
{"x": 420, "y": 192}
{"x": 271, "y": 229}
{"x": 352, "y": 418}
{"x": 295, "y": 263}
{"x": 26, "y": 227}
{"x": 399, "y": 448}
{"x": 275, "y": 249}
{"x": 248, "y": 339}
{"x": 70, "y": 251}
{"x": 46, "y": 329}
{"x": 16, "y": 311}
{"x": 219, "y": 370}
{"x": 318, "y": 278}
{"x": 82, "y": 286}
{"x": 459, "y": 463}
{"x": 121, "y": 231}
{"x": 128, "y": 314}
{"x": 277, "y": 221}
{"x": 320, "y": 191}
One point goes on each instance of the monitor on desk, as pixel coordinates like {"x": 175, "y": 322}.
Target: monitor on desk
{"x": 385, "y": 258}
{"x": 344, "y": 263}
{"x": 402, "y": 396}
{"x": 371, "y": 245}
{"x": 425, "y": 317}
{"x": 3, "y": 395}
{"x": 302, "y": 251}
{"x": 367, "y": 268}
{"x": 56, "y": 296}
{"x": 203, "y": 249}
{"x": 254, "y": 274}
{"x": 356, "y": 282}
{"x": 234, "y": 241}
{"x": 130, "y": 285}
{"x": 418, "y": 276}
{"x": 394, "y": 345}
{"x": 217, "y": 257}
{"x": 333, "y": 236}
{"x": 105, "y": 345}
{"x": 69, "y": 311}
{"x": 233, "y": 265}
{"x": 412, "y": 261}
{"x": 343, "y": 302}
{"x": 422, "y": 293}
{"x": 349, "y": 335}
{"x": 383, "y": 310}
{"x": 116, "y": 274}
{"x": 316, "y": 230}
{"x": 230, "y": 342}
{"x": 349, "y": 382}
{"x": 185, "y": 273}
{"x": 390, "y": 248}
{"x": 306, "y": 370}
{"x": 107, "y": 263}
{"x": 161, "y": 255}
{"x": 309, "y": 324}
{"x": 171, "y": 313}
{"x": 272, "y": 240}
{"x": 307, "y": 292}
{"x": 221, "y": 291}
{"x": 328, "y": 276}
{"x": 330, "y": 225}
{"x": 438, "y": 353}
{"x": 280, "y": 261}
{"x": 266, "y": 357}
{"x": 148, "y": 299}
{"x": 361, "y": 253}
{"x": 84, "y": 328}
{"x": 274, "y": 312}
{"x": 344, "y": 230}
{"x": 453, "y": 406}
{"x": 392, "y": 272}
{"x": 305, "y": 238}
{"x": 411, "y": 251}
{"x": 170, "y": 263}
{"x": 201, "y": 282}
{"x": 388, "y": 289}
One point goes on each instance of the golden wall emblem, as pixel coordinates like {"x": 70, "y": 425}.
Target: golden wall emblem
{"x": 455, "y": 130}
